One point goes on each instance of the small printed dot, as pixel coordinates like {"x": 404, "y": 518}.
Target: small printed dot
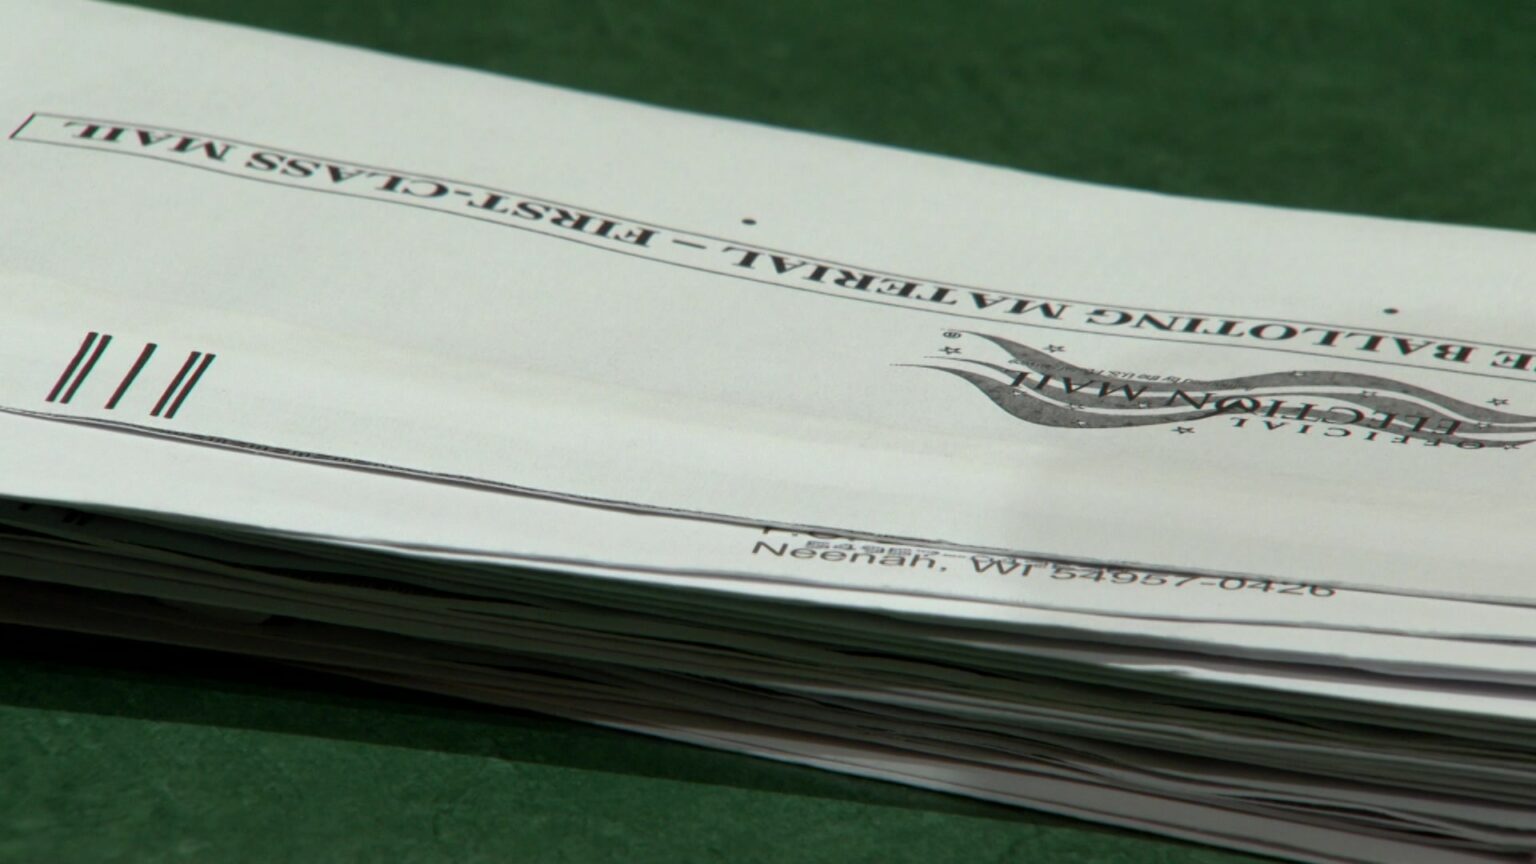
{"x": 1390, "y": 310}
{"x": 749, "y": 221}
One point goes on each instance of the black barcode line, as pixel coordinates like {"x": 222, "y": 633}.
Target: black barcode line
{"x": 175, "y": 383}
{"x": 133, "y": 373}
{"x": 69, "y": 371}
{"x": 90, "y": 364}
{"x": 191, "y": 382}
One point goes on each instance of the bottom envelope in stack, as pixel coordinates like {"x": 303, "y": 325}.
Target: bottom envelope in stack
{"x": 1318, "y": 761}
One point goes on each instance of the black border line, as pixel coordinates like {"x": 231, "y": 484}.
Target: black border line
{"x": 175, "y": 383}
{"x": 769, "y": 250}
{"x": 138, "y": 366}
{"x": 101, "y": 348}
{"x": 186, "y": 391}
{"x": 17, "y": 130}
{"x": 69, "y": 371}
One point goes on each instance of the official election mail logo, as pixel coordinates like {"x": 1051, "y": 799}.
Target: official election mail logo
{"x": 1038, "y": 386}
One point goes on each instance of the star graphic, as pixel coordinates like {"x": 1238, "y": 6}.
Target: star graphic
{"x": 1055, "y": 349}
{"x": 1183, "y": 430}
{"x": 950, "y": 349}
{"x": 1498, "y": 401}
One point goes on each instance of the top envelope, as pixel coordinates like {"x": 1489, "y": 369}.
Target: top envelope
{"x": 255, "y": 241}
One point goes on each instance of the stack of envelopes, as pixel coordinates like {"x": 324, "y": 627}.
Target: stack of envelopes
{"x": 1200, "y": 518}
{"x": 1378, "y": 727}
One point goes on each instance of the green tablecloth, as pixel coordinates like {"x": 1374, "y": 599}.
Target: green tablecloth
{"x": 112, "y": 752}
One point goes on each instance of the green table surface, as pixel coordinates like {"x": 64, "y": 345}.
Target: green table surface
{"x": 1424, "y": 110}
